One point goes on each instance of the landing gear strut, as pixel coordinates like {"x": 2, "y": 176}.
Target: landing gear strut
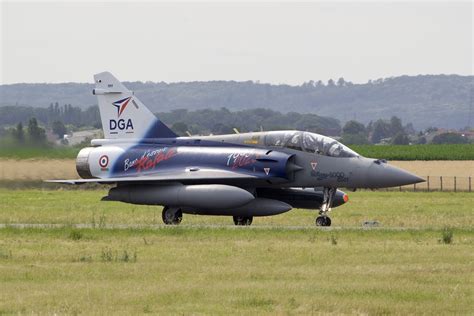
{"x": 171, "y": 215}
{"x": 243, "y": 220}
{"x": 328, "y": 198}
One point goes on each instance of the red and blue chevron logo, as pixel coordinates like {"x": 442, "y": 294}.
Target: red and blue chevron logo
{"x": 121, "y": 105}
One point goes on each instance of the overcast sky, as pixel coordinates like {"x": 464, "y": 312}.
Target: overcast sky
{"x": 270, "y": 42}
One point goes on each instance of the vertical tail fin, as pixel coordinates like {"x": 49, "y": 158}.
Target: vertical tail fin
{"x": 122, "y": 113}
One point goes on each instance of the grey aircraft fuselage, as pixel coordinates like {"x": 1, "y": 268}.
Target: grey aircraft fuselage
{"x": 325, "y": 169}
{"x": 240, "y": 175}
{"x": 266, "y": 173}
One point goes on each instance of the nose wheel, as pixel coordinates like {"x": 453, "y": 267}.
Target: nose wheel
{"x": 323, "y": 221}
{"x": 328, "y": 198}
{"x": 172, "y": 215}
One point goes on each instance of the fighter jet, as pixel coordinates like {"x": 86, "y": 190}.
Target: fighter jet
{"x": 240, "y": 175}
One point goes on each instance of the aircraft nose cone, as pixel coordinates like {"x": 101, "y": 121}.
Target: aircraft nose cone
{"x": 383, "y": 175}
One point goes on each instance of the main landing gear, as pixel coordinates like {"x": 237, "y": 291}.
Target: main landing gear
{"x": 328, "y": 198}
{"x": 243, "y": 220}
{"x": 172, "y": 215}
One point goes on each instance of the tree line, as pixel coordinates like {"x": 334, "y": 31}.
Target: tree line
{"x": 66, "y": 113}
{"x": 27, "y": 126}
{"x": 203, "y": 122}
{"x": 33, "y": 135}
{"x": 223, "y": 121}
{"x": 446, "y": 98}
{"x": 395, "y": 133}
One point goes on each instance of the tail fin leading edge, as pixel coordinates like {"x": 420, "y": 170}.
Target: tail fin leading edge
{"x": 123, "y": 115}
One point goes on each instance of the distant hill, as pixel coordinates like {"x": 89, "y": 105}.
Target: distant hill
{"x": 429, "y": 100}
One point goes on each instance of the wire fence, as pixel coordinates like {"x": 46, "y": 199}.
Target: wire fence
{"x": 440, "y": 183}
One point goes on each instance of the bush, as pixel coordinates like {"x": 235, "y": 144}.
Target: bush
{"x": 447, "y": 236}
{"x": 107, "y": 255}
{"x": 400, "y": 139}
{"x": 354, "y": 139}
{"x": 333, "y": 240}
{"x": 75, "y": 235}
{"x": 449, "y": 138}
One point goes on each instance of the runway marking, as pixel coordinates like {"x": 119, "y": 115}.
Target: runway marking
{"x": 193, "y": 226}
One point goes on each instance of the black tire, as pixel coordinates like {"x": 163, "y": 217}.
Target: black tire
{"x": 178, "y": 217}
{"x": 171, "y": 217}
{"x": 323, "y": 221}
{"x": 320, "y": 221}
{"x": 328, "y": 221}
{"x": 243, "y": 220}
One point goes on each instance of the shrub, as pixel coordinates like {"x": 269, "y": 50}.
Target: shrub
{"x": 75, "y": 235}
{"x": 333, "y": 240}
{"x": 449, "y": 138}
{"x": 447, "y": 235}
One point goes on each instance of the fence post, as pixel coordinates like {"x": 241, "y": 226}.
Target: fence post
{"x": 441, "y": 182}
{"x": 454, "y": 183}
{"x": 400, "y": 188}
{"x": 414, "y": 187}
{"x": 469, "y": 184}
{"x": 428, "y": 182}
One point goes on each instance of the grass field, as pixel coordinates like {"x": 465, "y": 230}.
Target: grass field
{"x": 433, "y": 210}
{"x": 447, "y": 168}
{"x": 37, "y": 169}
{"x": 38, "y": 152}
{"x": 417, "y": 152}
{"x": 441, "y": 173}
{"x": 208, "y": 266}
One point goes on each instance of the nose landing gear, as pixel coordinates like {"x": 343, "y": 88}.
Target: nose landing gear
{"x": 328, "y": 198}
{"x": 323, "y": 221}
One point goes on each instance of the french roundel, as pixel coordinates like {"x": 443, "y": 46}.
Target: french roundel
{"x": 103, "y": 161}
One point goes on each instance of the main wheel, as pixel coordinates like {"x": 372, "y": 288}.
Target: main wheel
{"x": 323, "y": 221}
{"x": 171, "y": 216}
{"x": 243, "y": 220}
{"x": 328, "y": 221}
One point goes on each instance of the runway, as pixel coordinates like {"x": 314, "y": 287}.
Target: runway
{"x": 196, "y": 226}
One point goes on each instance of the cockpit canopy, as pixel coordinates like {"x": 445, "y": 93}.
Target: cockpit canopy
{"x": 309, "y": 142}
